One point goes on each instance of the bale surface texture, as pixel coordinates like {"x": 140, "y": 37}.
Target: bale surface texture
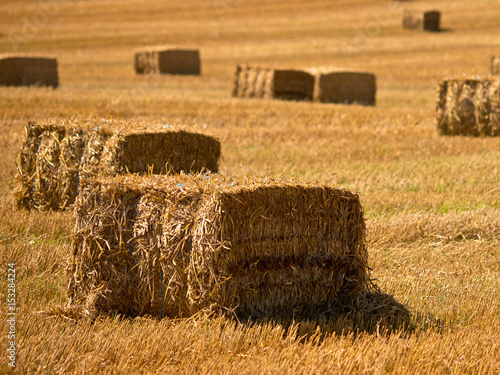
{"x": 28, "y": 71}
{"x": 55, "y": 156}
{"x": 469, "y": 107}
{"x": 167, "y": 60}
{"x": 174, "y": 246}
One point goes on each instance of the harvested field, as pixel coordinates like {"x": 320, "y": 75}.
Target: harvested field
{"x": 424, "y": 20}
{"x": 55, "y": 156}
{"x": 431, "y": 203}
{"x": 28, "y": 71}
{"x": 171, "y": 247}
{"x": 167, "y": 60}
{"x": 469, "y": 107}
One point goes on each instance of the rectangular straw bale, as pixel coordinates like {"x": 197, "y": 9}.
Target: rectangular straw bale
{"x": 167, "y": 60}
{"x": 495, "y": 65}
{"x": 425, "y": 20}
{"x": 28, "y": 71}
{"x": 171, "y": 246}
{"x": 253, "y": 82}
{"x": 343, "y": 86}
{"x": 263, "y": 82}
{"x": 55, "y": 156}
{"x": 469, "y": 107}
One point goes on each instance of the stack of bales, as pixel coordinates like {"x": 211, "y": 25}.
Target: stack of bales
{"x": 424, "y": 20}
{"x": 177, "y": 245}
{"x": 167, "y": 60}
{"x": 262, "y": 82}
{"x": 334, "y": 85}
{"x": 495, "y": 65}
{"x": 54, "y": 157}
{"x": 469, "y": 107}
{"x": 28, "y": 71}
{"x": 327, "y": 85}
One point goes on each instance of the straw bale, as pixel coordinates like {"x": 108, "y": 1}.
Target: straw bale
{"x": 495, "y": 65}
{"x": 253, "y": 82}
{"x": 172, "y": 246}
{"x": 335, "y": 85}
{"x": 293, "y": 84}
{"x": 54, "y": 157}
{"x": 167, "y": 60}
{"x": 425, "y": 20}
{"x": 28, "y": 71}
{"x": 469, "y": 107}
{"x": 263, "y": 82}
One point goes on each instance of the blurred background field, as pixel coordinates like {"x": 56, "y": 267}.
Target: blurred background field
{"x": 432, "y": 203}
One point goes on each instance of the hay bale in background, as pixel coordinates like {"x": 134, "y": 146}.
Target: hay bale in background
{"x": 166, "y": 60}
{"x": 54, "y": 157}
{"x": 28, "y": 71}
{"x": 495, "y": 65}
{"x": 262, "y": 82}
{"x": 293, "y": 84}
{"x": 176, "y": 245}
{"x": 343, "y": 86}
{"x": 327, "y": 85}
{"x": 469, "y": 107}
{"x": 425, "y": 20}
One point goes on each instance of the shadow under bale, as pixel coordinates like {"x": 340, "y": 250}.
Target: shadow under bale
{"x": 372, "y": 312}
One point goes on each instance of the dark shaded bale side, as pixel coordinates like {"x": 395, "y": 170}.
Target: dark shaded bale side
{"x": 54, "y": 157}
{"x": 345, "y": 87}
{"x": 432, "y": 20}
{"x": 28, "y": 71}
{"x": 177, "y": 245}
{"x": 469, "y": 107}
{"x": 292, "y": 84}
{"x": 166, "y": 60}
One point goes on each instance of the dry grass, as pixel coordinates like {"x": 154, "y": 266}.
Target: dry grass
{"x": 432, "y": 202}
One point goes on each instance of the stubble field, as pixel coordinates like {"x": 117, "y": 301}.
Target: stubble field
{"x": 432, "y": 203}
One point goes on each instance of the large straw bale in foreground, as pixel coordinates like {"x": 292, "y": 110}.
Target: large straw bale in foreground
{"x": 334, "y": 85}
{"x": 469, "y": 107}
{"x": 167, "y": 60}
{"x": 495, "y": 65}
{"x": 28, "y": 71}
{"x": 54, "y": 157}
{"x": 261, "y": 82}
{"x": 171, "y": 246}
{"x": 424, "y": 20}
